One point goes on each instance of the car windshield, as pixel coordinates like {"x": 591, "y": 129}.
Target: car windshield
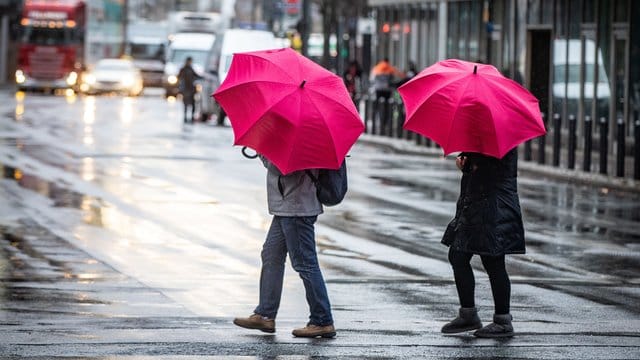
{"x": 47, "y": 36}
{"x": 147, "y": 51}
{"x": 178, "y": 56}
{"x": 113, "y": 66}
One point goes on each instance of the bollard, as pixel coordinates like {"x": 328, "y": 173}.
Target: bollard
{"x": 377, "y": 117}
{"x": 621, "y": 148}
{"x": 636, "y": 147}
{"x": 542, "y": 144}
{"x": 367, "y": 112}
{"x": 588, "y": 141}
{"x": 397, "y": 119}
{"x": 557, "y": 136}
{"x": 388, "y": 118}
{"x": 527, "y": 150}
{"x": 604, "y": 144}
{"x": 571, "y": 156}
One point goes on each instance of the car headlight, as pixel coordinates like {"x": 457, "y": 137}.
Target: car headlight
{"x": 90, "y": 79}
{"x": 20, "y": 78}
{"x": 72, "y": 78}
{"x": 172, "y": 79}
{"x": 128, "y": 81}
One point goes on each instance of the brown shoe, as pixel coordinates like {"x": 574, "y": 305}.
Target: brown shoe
{"x": 257, "y": 322}
{"x": 312, "y": 331}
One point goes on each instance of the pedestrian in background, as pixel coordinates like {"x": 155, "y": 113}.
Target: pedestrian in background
{"x": 352, "y": 78}
{"x": 187, "y": 87}
{"x": 488, "y": 222}
{"x": 295, "y": 208}
{"x": 382, "y": 78}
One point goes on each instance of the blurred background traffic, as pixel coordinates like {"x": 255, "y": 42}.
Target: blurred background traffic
{"x": 576, "y": 56}
{"x": 104, "y": 46}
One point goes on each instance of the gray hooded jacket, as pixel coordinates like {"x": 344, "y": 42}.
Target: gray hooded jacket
{"x": 298, "y": 197}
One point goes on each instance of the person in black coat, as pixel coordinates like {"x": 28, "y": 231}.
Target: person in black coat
{"x": 187, "y": 86}
{"x": 488, "y": 222}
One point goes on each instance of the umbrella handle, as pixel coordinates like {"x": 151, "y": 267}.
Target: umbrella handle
{"x": 244, "y": 152}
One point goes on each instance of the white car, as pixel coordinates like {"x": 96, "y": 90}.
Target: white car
{"x": 113, "y": 75}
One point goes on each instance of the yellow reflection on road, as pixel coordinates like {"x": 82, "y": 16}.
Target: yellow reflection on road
{"x": 70, "y": 96}
{"x": 89, "y": 117}
{"x": 88, "y": 170}
{"x": 126, "y": 113}
{"x": 19, "y": 105}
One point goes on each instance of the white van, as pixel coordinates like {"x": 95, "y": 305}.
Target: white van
{"x": 182, "y": 45}
{"x": 227, "y": 43}
{"x": 566, "y": 74}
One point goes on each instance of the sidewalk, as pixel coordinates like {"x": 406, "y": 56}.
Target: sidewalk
{"x": 570, "y": 176}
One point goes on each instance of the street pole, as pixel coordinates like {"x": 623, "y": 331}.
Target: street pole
{"x": 4, "y": 41}
{"x": 306, "y": 26}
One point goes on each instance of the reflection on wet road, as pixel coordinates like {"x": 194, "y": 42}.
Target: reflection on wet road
{"x": 112, "y": 194}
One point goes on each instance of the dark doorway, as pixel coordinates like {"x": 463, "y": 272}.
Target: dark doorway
{"x": 539, "y": 66}
{"x": 538, "y": 81}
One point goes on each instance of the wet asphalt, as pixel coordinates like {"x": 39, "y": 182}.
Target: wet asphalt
{"x": 575, "y": 294}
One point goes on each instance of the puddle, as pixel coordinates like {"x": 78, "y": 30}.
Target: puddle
{"x": 62, "y": 197}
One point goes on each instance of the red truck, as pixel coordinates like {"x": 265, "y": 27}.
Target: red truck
{"x": 59, "y": 39}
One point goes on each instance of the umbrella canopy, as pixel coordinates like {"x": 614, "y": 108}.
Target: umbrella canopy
{"x": 289, "y": 109}
{"x": 465, "y": 106}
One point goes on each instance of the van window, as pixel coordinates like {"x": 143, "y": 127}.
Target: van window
{"x": 178, "y": 56}
{"x": 574, "y": 73}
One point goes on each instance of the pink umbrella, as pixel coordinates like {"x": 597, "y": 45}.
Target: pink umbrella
{"x": 465, "y": 106}
{"x": 289, "y": 109}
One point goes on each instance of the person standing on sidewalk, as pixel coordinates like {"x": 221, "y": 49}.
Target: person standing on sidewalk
{"x": 187, "y": 86}
{"x": 295, "y": 207}
{"x": 488, "y": 222}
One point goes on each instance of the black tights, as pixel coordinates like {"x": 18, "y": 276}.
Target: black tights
{"x": 465, "y": 282}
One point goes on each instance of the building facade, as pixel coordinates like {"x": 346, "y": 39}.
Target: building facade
{"x": 580, "y": 58}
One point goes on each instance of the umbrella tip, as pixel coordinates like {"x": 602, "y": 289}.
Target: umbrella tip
{"x": 302, "y": 83}
{"x": 475, "y": 69}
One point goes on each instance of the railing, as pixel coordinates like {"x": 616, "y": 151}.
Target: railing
{"x": 561, "y": 144}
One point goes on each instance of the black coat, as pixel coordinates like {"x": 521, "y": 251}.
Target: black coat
{"x": 488, "y": 220}
{"x": 187, "y": 83}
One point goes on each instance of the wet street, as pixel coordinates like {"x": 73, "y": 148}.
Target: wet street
{"x": 126, "y": 234}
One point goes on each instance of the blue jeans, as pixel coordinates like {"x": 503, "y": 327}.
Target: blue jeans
{"x": 296, "y": 236}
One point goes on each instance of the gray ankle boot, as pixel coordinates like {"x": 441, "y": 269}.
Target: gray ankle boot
{"x": 467, "y": 320}
{"x": 500, "y": 327}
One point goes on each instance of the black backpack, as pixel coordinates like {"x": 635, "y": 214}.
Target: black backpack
{"x": 331, "y": 185}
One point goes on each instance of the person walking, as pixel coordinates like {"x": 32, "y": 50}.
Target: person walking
{"x": 488, "y": 223}
{"x": 382, "y": 76}
{"x": 382, "y": 79}
{"x": 187, "y": 87}
{"x": 295, "y": 207}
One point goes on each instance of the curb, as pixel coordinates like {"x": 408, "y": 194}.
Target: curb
{"x": 569, "y": 176}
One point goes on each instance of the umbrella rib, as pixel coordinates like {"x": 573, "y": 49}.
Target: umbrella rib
{"x": 436, "y": 90}
{"x": 284, "y": 70}
{"x": 333, "y": 144}
{"x": 453, "y": 118}
{"x": 240, "y": 139}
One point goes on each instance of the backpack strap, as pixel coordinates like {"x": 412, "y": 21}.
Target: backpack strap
{"x": 313, "y": 178}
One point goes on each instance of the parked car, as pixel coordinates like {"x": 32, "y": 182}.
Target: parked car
{"x": 113, "y": 75}
{"x": 226, "y": 44}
